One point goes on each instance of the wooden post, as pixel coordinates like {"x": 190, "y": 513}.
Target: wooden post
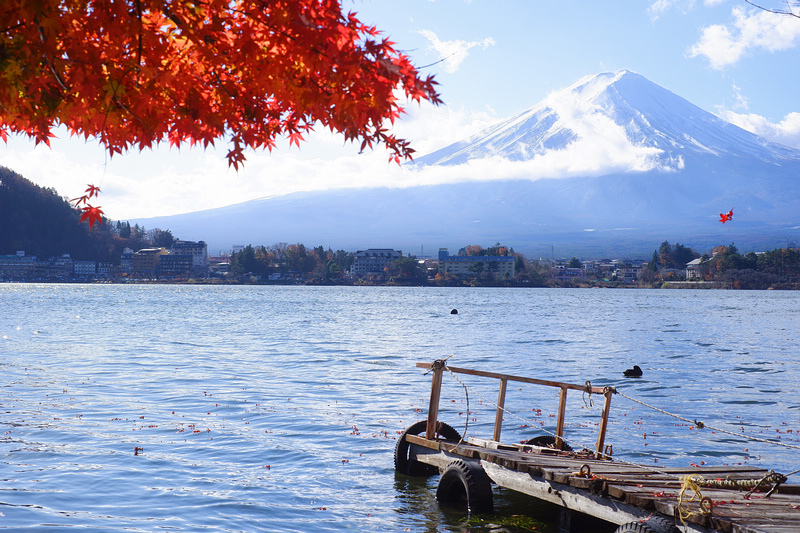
{"x": 501, "y": 401}
{"x": 601, "y": 437}
{"x": 562, "y": 412}
{"x": 564, "y": 520}
{"x": 436, "y": 391}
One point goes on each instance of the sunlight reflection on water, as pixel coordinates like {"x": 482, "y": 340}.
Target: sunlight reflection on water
{"x": 277, "y": 408}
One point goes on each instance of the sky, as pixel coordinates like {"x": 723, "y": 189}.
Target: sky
{"x": 493, "y": 59}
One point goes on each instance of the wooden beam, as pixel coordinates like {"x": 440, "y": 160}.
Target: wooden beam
{"x": 511, "y": 377}
{"x": 433, "y": 406}
{"x": 601, "y": 433}
{"x": 562, "y": 413}
{"x": 498, "y": 417}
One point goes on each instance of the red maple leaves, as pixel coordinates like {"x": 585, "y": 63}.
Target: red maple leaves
{"x": 141, "y": 72}
{"x": 90, "y": 213}
{"x": 725, "y": 217}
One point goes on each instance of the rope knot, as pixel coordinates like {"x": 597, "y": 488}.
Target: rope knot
{"x": 438, "y": 364}
{"x": 588, "y": 389}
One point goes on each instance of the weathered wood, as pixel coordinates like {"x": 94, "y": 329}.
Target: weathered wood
{"x": 511, "y": 377}
{"x": 619, "y": 492}
{"x": 601, "y": 434}
{"x": 433, "y": 406}
{"x": 562, "y": 413}
{"x": 594, "y": 484}
{"x": 501, "y": 402}
{"x": 422, "y": 441}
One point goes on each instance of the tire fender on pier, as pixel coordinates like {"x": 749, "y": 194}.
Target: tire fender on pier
{"x": 404, "y": 464}
{"x": 464, "y": 484}
{"x": 654, "y": 524}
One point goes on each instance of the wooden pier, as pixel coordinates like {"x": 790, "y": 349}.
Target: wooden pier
{"x": 731, "y": 499}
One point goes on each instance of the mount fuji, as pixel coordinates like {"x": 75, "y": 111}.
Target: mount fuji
{"x": 612, "y": 165}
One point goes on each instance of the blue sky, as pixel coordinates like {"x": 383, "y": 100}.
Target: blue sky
{"x": 493, "y": 59}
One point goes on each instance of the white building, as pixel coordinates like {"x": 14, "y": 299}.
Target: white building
{"x": 501, "y": 266}
{"x": 84, "y": 268}
{"x": 198, "y": 251}
{"x": 373, "y": 261}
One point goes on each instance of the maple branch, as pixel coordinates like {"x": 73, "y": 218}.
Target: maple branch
{"x": 138, "y": 72}
{"x": 139, "y": 50}
{"x": 50, "y": 63}
{"x": 788, "y": 11}
{"x": 436, "y": 62}
{"x": 14, "y": 27}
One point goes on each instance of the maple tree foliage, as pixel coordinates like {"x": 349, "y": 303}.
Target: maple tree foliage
{"x": 134, "y": 73}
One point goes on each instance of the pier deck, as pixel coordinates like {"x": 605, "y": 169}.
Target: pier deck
{"x": 702, "y": 499}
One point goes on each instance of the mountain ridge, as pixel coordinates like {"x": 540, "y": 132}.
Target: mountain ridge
{"x": 670, "y": 167}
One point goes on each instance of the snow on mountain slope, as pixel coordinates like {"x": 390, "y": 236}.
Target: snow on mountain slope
{"x": 611, "y": 122}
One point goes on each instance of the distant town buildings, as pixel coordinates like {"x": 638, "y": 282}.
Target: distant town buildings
{"x": 185, "y": 259}
{"x": 501, "y": 266}
{"x": 372, "y": 262}
{"x": 146, "y": 261}
{"x": 189, "y": 260}
{"x": 198, "y": 251}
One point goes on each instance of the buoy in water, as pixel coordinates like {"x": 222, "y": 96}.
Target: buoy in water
{"x": 634, "y": 372}
{"x": 454, "y": 311}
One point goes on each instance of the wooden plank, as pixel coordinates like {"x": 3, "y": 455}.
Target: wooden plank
{"x": 565, "y": 496}
{"x": 422, "y": 441}
{"x": 639, "y": 491}
{"x": 629, "y": 493}
{"x": 510, "y": 377}
{"x": 713, "y": 468}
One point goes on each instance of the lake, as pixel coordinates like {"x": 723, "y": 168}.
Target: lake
{"x": 277, "y": 408}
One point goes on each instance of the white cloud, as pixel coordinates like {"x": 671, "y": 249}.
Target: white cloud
{"x": 741, "y": 100}
{"x": 170, "y": 181}
{"x": 786, "y": 132}
{"x": 754, "y": 30}
{"x": 164, "y": 182}
{"x": 659, "y": 7}
{"x": 453, "y": 52}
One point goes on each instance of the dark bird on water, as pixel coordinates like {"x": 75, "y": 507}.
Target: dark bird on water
{"x": 634, "y": 372}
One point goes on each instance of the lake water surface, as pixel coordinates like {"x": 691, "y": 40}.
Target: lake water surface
{"x": 199, "y": 408}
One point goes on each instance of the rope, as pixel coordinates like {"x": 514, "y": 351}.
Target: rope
{"x": 466, "y": 418}
{"x": 442, "y": 364}
{"x": 701, "y": 425}
{"x": 691, "y": 482}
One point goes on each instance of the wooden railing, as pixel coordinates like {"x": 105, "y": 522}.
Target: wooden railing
{"x": 439, "y": 366}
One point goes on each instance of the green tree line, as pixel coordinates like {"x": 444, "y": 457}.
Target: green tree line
{"x": 779, "y": 268}
{"x": 287, "y": 259}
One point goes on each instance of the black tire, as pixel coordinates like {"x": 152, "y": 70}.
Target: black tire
{"x": 661, "y": 525}
{"x": 548, "y": 441}
{"x": 635, "y": 527}
{"x": 464, "y": 485}
{"x": 405, "y": 465}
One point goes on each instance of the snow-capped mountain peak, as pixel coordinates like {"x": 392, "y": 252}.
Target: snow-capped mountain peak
{"x": 609, "y": 139}
{"x": 609, "y": 122}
